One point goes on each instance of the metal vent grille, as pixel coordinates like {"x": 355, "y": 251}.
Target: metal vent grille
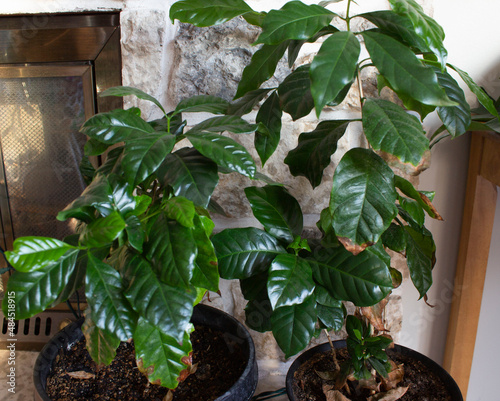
{"x": 32, "y": 334}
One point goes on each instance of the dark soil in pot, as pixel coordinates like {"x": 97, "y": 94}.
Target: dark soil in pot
{"x": 218, "y": 369}
{"x": 423, "y": 381}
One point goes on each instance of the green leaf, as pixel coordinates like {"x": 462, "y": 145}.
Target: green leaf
{"x": 246, "y": 103}
{"x": 115, "y": 126}
{"x": 232, "y": 124}
{"x": 296, "y": 45}
{"x": 224, "y": 151}
{"x": 404, "y": 71}
{"x": 334, "y": 67}
{"x": 261, "y": 68}
{"x": 362, "y": 279}
{"x": 93, "y": 147}
{"x": 97, "y": 195}
{"x": 295, "y": 93}
{"x": 203, "y": 103}
{"x": 398, "y": 26}
{"x": 414, "y": 209}
{"x": 135, "y": 232}
{"x": 481, "y": 95}
{"x": 270, "y": 115}
{"x": 394, "y": 238}
{"x": 167, "y": 308}
{"x": 101, "y": 344}
{"x": 426, "y": 27}
{"x": 75, "y": 280}
{"x": 129, "y": 91}
{"x": 407, "y": 188}
{"x": 293, "y": 326}
{"x": 160, "y": 356}
{"x": 314, "y": 150}
{"x": 390, "y": 129}
{"x": 191, "y": 175}
{"x": 104, "y": 291}
{"x": 143, "y": 155}
{"x": 112, "y": 162}
{"x": 455, "y": 118}
{"x": 34, "y": 253}
{"x": 182, "y": 210}
{"x": 201, "y": 13}
{"x": 172, "y": 251}
{"x": 277, "y": 210}
{"x": 244, "y": 252}
{"x": 295, "y": 20}
{"x": 36, "y": 291}
{"x": 323, "y": 297}
{"x": 420, "y": 250}
{"x": 363, "y": 199}
{"x": 331, "y": 317}
{"x": 103, "y": 231}
{"x": 122, "y": 194}
{"x": 258, "y": 315}
{"x": 290, "y": 281}
{"x": 206, "y": 271}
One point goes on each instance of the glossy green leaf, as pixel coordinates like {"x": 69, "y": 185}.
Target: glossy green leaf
{"x": 398, "y": 26}
{"x": 112, "y": 161}
{"x": 420, "y": 250}
{"x": 203, "y": 103}
{"x": 172, "y": 251}
{"x": 394, "y": 238}
{"x": 104, "y": 291}
{"x": 315, "y": 149}
{"x": 101, "y": 344}
{"x": 122, "y": 194}
{"x": 295, "y": 93}
{"x": 334, "y": 67}
{"x": 270, "y": 116}
{"x": 293, "y": 326}
{"x": 224, "y": 151}
{"x": 404, "y": 71}
{"x": 115, "y": 126}
{"x": 34, "y": 253}
{"x": 232, "y": 124}
{"x": 180, "y": 209}
{"x": 36, "y": 291}
{"x": 261, "y": 68}
{"x": 246, "y": 103}
{"x": 295, "y": 20}
{"x": 166, "y": 307}
{"x": 414, "y": 209}
{"x": 206, "y": 271}
{"x": 97, "y": 195}
{"x": 129, "y": 91}
{"x": 171, "y": 123}
{"x": 323, "y": 297}
{"x": 160, "y": 356}
{"x": 332, "y": 318}
{"x": 426, "y": 27}
{"x": 481, "y": 95}
{"x": 363, "y": 199}
{"x": 93, "y": 147}
{"x": 103, "y": 231}
{"x": 455, "y": 118}
{"x": 362, "y": 279}
{"x": 391, "y": 130}
{"x": 143, "y": 155}
{"x": 191, "y": 175}
{"x": 244, "y": 252}
{"x": 202, "y": 13}
{"x": 135, "y": 232}
{"x": 296, "y": 45}
{"x": 277, "y": 210}
{"x": 258, "y": 314}
{"x": 407, "y": 188}
{"x": 290, "y": 281}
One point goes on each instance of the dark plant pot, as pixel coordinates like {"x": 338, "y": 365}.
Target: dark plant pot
{"x": 242, "y": 390}
{"x": 431, "y": 366}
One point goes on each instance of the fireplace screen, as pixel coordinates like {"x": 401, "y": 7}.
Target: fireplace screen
{"x": 41, "y": 111}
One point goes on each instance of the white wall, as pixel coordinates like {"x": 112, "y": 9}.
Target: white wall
{"x": 474, "y": 46}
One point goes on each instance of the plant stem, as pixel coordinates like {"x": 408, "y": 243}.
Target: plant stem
{"x": 347, "y": 16}
{"x": 334, "y": 352}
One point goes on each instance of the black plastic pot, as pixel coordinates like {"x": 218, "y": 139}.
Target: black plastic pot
{"x": 431, "y": 366}
{"x": 242, "y": 390}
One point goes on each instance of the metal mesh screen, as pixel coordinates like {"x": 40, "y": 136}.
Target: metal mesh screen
{"x": 42, "y": 149}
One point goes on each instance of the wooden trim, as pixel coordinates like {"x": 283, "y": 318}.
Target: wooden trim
{"x": 477, "y": 226}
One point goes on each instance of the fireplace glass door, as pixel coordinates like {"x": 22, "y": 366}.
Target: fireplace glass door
{"x": 41, "y": 111}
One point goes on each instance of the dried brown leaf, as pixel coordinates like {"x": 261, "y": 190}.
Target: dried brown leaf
{"x": 81, "y": 375}
{"x": 169, "y": 396}
{"x": 352, "y": 247}
{"x": 327, "y": 375}
{"x": 391, "y": 395}
{"x": 333, "y": 395}
{"x": 394, "y": 377}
